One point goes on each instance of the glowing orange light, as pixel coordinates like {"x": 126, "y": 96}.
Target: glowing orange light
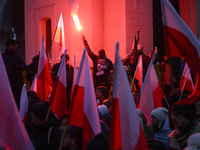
{"x": 76, "y": 21}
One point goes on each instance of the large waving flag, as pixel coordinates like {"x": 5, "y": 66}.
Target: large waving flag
{"x": 126, "y": 130}
{"x": 181, "y": 42}
{"x": 24, "y": 104}
{"x": 187, "y": 80}
{"x": 58, "y": 98}
{"x": 138, "y": 73}
{"x": 13, "y": 134}
{"x": 151, "y": 94}
{"x": 59, "y": 36}
{"x": 83, "y": 111}
{"x": 44, "y": 81}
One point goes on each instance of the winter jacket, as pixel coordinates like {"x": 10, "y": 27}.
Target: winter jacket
{"x": 14, "y": 66}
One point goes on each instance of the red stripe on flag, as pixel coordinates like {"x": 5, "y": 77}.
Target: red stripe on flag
{"x": 141, "y": 144}
{"x": 88, "y": 133}
{"x": 157, "y": 98}
{"x": 115, "y": 132}
{"x": 75, "y": 115}
{"x": 188, "y": 85}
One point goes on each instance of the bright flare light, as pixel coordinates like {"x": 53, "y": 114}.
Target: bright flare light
{"x": 76, "y": 21}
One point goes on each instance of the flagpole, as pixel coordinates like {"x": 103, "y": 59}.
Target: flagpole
{"x": 184, "y": 86}
{"x": 171, "y": 73}
{"x": 63, "y": 137}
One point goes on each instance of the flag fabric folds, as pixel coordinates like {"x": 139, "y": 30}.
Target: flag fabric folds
{"x": 181, "y": 42}
{"x": 24, "y": 104}
{"x": 34, "y": 84}
{"x": 83, "y": 111}
{"x": 58, "y": 98}
{"x": 13, "y": 134}
{"x": 59, "y": 36}
{"x": 187, "y": 79}
{"x": 74, "y": 75}
{"x": 151, "y": 94}
{"x": 126, "y": 130}
{"x": 139, "y": 72}
{"x": 44, "y": 81}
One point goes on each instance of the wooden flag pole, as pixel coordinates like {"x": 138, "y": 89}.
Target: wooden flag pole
{"x": 63, "y": 137}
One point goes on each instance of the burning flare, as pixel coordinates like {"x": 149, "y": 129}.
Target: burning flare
{"x": 76, "y": 21}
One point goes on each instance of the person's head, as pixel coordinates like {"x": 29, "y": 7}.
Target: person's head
{"x": 73, "y": 137}
{"x": 136, "y": 94}
{"x": 197, "y": 104}
{"x": 108, "y": 104}
{"x": 193, "y": 142}
{"x": 176, "y": 89}
{"x": 31, "y": 94}
{"x": 33, "y": 100}
{"x": 66, "y": 57}
{"x": 182, "y": 114}
{"x": 101, "y": 93}
{"x": 99, "y": 142}
{"x": 63, "y": 119}
{"x": 102, "y": 54}
{"x": 154, "y": 144}
{"x": 158, "y": 116}
{"x": 39, "y": 113}
{"x": 103, "y": 109}
{"x": 11, "y": 45}
{"x": 140, "y": 49}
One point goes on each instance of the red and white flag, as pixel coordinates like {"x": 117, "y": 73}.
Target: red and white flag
{"x": 83, "y": 111}
{"x": 151, "y": 94}
{"x": 181, "y": 42}
{"x": 24, "y": 104}
{"x": 58, "y": 98}
{"x": 139, "y": 72}
{"x": 34, "y": 84}
{"x": 59, "y": 36}
{"x": 13, "y": 134}
{"x": 126, "y": 130}
{"x": 187, "y": 80}
{"x": 44, "y": 81}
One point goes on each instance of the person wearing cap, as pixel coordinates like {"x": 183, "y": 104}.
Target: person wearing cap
{"x": 102, "y": 67}
{"x": 14, "y": 66}
{"x": 160, "y": 125}
{"x": 43, "y": 134}
{"x": 183, "y": 116}
{"x": 73, "y": 138}
{"x": 101, "y": 94}
{"x": 108, "y": 104}
{"x": 69, "y": 76}
{"x": 105, "y": 116}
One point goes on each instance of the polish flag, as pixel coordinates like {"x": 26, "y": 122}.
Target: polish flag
{"x": 138, "y": 72}
{"x": 187, "y": 80}
{"x": 44, "y": 81}
{"x": 75, "y": 75}
{"x": 83, "y": 111}
{"x": 58, "y": 98}
{"x": 59, "y": 36}
{"x": 24, "y": 104}
{"x": 151, "y": 94}
{"x": 13, "y": 134}
{"x": 126, "y": 130}
{"x": 34, "y": 84}
{"x": 181, "y": 42}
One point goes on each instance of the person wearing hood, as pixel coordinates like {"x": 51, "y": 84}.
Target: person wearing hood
{"x": 14, "y": 66}
{"x": 160, "y": 125}
{"x": 43, "y": 134}
{"x": 102, "y": 67}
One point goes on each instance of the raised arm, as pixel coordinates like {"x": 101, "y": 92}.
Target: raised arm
{"x": 85, "y": 43}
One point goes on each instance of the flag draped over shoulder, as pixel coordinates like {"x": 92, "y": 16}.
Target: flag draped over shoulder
{"x": 44, "y": 81}
{"x": 181, "y": 42}
{"x": 126, "y": 130}
{"x": 83, "y": 111}
{"x": 13, "y": 134}
{"x": 58, "y": 98}
{"x": 187, "y": 80}
{"x": 59, "y": 36}
{"x": 24, "y": 104}
{"x": 150, "y": 95}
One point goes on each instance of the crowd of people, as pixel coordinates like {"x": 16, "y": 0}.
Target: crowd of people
{"x": 173, "y": 126}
